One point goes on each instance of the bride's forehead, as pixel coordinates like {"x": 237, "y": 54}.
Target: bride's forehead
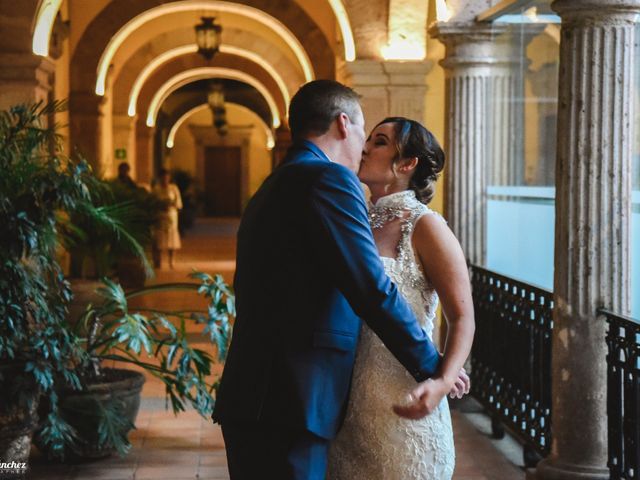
{"x": 384, "y": 128}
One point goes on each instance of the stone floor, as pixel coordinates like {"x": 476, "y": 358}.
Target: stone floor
{"x": 168, "y": 447}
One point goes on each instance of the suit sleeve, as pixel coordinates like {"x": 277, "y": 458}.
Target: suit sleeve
{"x": 338, "y": 205}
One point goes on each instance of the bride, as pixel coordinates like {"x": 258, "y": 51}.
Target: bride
{"x": 382, "y": 436}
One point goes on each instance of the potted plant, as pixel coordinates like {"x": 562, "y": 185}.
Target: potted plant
{"x": 115, "y": 243}
{"x": 103, "y": 412}
{"x": 143, "y": 219}
{"x": 38, "y": 187}
{"x": 99, "y": 250}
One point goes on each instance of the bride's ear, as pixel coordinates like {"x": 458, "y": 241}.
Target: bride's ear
{"x": 408, "y": 165}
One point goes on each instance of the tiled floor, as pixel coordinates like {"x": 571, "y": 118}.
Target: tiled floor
{"x": 166, "y": 447}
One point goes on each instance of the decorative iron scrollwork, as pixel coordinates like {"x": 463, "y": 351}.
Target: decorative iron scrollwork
{"x": 511, "y": 355}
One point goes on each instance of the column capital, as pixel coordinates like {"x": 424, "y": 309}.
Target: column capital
{"x": 474, "y": 45}
{"x": 598, "y": 12}
{"x": 453, "y": 33}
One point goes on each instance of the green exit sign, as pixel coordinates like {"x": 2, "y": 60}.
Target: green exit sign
{"x": 121, "y": 153}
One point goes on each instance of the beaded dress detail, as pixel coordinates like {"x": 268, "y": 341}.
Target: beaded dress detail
{"x": 374, "y": 443}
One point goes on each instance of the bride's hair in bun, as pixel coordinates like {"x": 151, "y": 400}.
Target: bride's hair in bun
{"x": 414, "y": 140}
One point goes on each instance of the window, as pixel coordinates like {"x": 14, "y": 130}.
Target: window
{"x": 521, "y": 177}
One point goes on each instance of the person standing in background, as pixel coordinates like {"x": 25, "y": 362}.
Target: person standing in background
{"x": 167, "y": 235}
{"x": 124, "y": 175}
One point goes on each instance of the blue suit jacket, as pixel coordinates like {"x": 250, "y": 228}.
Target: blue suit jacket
{"x": 307, "y": 272}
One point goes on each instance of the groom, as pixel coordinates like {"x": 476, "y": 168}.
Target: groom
{"x": 307, "y": 272}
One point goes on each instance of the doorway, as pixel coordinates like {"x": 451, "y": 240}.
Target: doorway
{"x": 222, "y": 178}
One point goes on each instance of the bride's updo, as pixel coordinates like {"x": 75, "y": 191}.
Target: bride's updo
{"x": 414, "y": 140}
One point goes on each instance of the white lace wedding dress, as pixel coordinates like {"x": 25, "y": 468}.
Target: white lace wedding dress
{"x": 375, "y": 443}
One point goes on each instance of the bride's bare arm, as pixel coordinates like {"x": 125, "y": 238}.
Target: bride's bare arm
{"x": 444, "y": 265}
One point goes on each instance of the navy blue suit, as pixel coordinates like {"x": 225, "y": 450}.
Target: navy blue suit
{"x": 307, "y": 272}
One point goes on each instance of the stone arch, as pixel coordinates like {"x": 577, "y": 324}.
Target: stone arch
{"x": 189, "y": 106}
{"x": 117, "y": 13}
{"x": 87, "y": 113}
{"x": 288, "y": 73}
{"x": 191, "y": 61}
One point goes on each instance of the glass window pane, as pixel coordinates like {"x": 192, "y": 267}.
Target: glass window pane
{"x": 521, "y": 177}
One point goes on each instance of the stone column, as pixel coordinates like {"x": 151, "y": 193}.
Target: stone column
{"x": 282, "y": 144}
{"x": 476, "y": 67}
{"x": 593, "y": 212}
{"x": 24, "y": 77}
{"x": 124, "y": 139}
{"x": 388, "y": 88}
{"x": 144, "y": 152}
{"x": 86, "y": 110}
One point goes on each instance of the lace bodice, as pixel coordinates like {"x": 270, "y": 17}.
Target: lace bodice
{"x": 374, "y": 443}
{"x": 404, "y": 270}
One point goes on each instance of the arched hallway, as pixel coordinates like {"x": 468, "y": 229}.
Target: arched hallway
{"x": 537, "y": 105}
{"x": 168, "y": 447}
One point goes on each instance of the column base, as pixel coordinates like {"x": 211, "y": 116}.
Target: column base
{"x": 549, "y": 469}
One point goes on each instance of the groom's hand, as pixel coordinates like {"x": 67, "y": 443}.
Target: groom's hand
{"x": 424, "y": 399}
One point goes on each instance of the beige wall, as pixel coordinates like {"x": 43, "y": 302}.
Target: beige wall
{"x": 435, "y": 103}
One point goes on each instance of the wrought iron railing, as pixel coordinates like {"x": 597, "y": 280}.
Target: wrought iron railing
{"x": 511, "y": 358}
{"x": 623, "y": 396}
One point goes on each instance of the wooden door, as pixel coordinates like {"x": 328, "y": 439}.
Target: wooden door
{"x": 222, "y": 181}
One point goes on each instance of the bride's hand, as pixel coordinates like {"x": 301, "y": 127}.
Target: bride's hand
{"x": 461, "y": 386}
{"x": 424, "y": 399}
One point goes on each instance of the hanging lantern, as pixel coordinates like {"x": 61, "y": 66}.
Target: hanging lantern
{"x": 215, "y": 97}
{"x": 220, "y": 122}
{"x": 208, "y": 37}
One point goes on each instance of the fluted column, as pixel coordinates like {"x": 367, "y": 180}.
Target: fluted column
{"x": 477, "y": 66}
{"x": 388, "y": 88}
{"x": 593, "y": 210}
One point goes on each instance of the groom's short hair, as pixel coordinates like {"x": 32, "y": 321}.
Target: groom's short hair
{"x": 317, "y": 104}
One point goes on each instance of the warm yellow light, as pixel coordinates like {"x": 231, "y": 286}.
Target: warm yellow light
{"x": 553, "y": 31}
{"x": 407, "y": 30}
{"x": 249, "y": 55}
{"x": 189, "y": 76}
{"x": 345, "y": 29}
{"x": 45, "y": 17}
{"x": 442, "y": 11}
{"x": 270, "y": 142}
{"x": 149, "y": 69}
{"x": 192, "y": 48}
{"x": 176, "y": 126}
{"x": 531, "y": 14}
{"x": 403, "y": 51}
{"x": 200, "y": 5}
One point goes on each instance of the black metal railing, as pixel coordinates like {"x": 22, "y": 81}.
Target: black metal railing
{"x": 511, "y": 358}
{"x": 623, "y": 396}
